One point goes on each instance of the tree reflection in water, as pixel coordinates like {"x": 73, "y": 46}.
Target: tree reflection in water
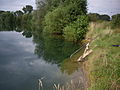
{"x": 53, "y": 49}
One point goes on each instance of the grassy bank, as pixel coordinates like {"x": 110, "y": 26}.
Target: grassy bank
{"x": 103, "y": 65}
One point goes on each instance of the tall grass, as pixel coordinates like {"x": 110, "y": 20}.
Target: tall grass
{"x": 68, "y": 86}
{"x": 72, "y": 85}
{"x": 104, "y": 63}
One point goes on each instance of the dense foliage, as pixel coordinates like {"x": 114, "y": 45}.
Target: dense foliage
{"x": 75, "y": 31}
{"x": 58, "y": 15}
{"x": 6, "y": 19}
{"x": 94, "y": 17}
{"x": 115, "y": 21}
{"x": 16, "y": 20}
{"x": 62, "y": 17}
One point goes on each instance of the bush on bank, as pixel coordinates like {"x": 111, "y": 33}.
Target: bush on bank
{"x": 115, "y": 22}
{"x": 65, "y": 15}
{"x": 95, "y": 17}
{"x": 76, "y": 31}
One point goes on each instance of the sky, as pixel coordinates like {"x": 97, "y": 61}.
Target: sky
{"x": 109, "y": 7}
{"x": 13, "y": 5}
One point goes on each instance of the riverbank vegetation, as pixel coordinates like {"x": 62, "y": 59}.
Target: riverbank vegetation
{"x": 103, "y": 64}
{"x": 16, "y": 20}
{"x": 69, "y": 19}
{"x": 59, "y": 17}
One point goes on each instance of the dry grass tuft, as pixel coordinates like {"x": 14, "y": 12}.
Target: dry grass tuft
{"x": 103, "y": 64}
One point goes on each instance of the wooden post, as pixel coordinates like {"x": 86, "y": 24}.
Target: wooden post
{"x": 86, "y": 53}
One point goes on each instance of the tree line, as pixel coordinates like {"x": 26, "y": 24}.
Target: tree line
{"x": 16, "y": 20}
{"x": 114, "y": 19}
{"x": 59, "y": 17}
{"x": 63, "y": 17}
{"x": 67, "y": 18}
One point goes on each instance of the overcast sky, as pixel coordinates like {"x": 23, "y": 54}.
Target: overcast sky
{"x": 13, "y": 5}
{"x": 104, "y": 6}
{"x": 97, "y": 6}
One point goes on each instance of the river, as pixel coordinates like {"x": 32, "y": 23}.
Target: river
{"x": 24, "y": 60}
{"x": 26, "y": 57}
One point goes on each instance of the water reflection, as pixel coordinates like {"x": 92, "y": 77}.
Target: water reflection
{"x": 54, "y": 49}
{"x": 24, "y": 60}
{"x": 27, "y": 34}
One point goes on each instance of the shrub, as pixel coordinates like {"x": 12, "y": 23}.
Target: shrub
{"x": 93, "y": 17}
{"x": 97, "y": 17}
{"x": 105, "y": 17}
{"x": 76, "y": 30}
{"x": 54, "y": 21}
{"x": 115, "y": 23}
{"x": 65, "y": 16}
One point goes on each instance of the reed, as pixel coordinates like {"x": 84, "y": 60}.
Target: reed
{"x": 71, "y": 85}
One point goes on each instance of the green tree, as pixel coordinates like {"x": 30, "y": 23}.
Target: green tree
{"x": 105, "y": 17}
{"x": 24, "y": 9}
{"x": 27, "y": 9}
{"x": 94, "y": 17}
{"x": 115, "y": 23}
{"x": 58, "y": 20}
{"x": 55, "y": 21}
{"x": 76, "y": 31}
{"x": 7, "y": 19}
{"x": 18, "y": 13}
